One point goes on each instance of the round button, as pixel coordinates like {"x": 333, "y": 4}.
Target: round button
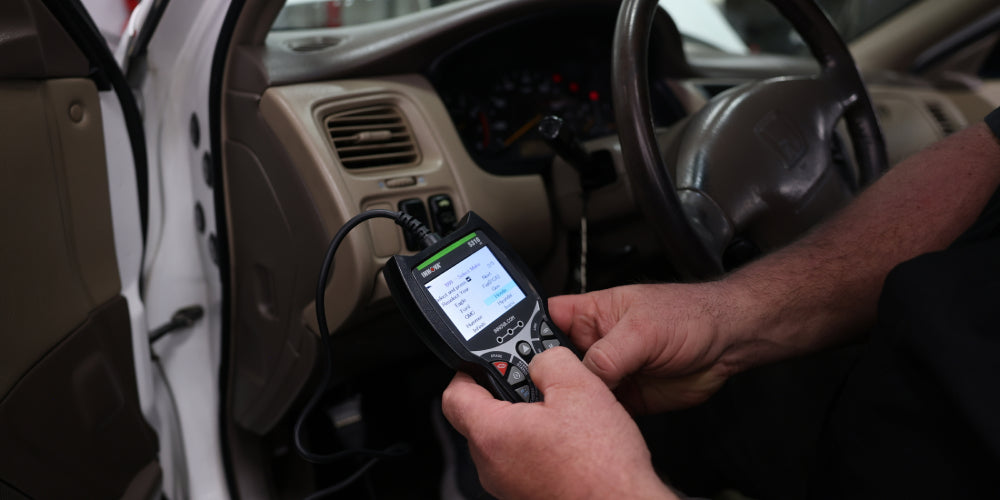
{"x": 524, "y": 349}
{"x": 76, "y": 112}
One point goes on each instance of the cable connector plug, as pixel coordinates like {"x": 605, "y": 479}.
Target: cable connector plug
{"x": 413, "y": 226}
{"x": 429, "y": 239}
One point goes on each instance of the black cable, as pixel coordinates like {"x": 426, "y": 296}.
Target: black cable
{"x": 406, "y": 221}
{"x": 427, "y": 238}
{"x": 343, "y": 484}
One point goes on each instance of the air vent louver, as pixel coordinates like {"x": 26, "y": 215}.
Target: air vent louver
{"x": 941, "y": 118}
{"x": 374, "y": 136}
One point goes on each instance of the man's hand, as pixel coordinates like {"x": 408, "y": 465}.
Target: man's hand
{"x": 578, "y": 443}
{"x": 670, "y": 346}
{"x": 660, "y": 346}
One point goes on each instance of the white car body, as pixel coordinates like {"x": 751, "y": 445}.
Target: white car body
{"x": 178, "y": 270}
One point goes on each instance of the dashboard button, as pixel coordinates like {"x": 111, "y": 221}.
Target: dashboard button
{"x": 443, "y": 213}
{"x": 398, "y": 182}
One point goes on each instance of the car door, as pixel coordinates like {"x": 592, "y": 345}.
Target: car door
{"x": 71, "y": 423}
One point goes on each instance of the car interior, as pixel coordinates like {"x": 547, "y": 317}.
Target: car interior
{"x": 696, "y": 161}
{"x": 459, "y": 82}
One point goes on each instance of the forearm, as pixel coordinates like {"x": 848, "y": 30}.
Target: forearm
{"x": 824, "y": 289}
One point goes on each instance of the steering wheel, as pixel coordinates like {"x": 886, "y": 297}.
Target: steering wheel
{"x": 754, "y": 166}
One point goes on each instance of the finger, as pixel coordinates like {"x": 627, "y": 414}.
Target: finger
{"x": 617, "y": 355}
{"x": 557, "y": 372}
{"x": 465, "y": 402}
{"x": 575, "y": 315}
{"x": 562, "y": 309}
{"x": 648, "y": 395}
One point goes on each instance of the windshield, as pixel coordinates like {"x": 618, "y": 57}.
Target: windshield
{"x": 741, "y": 26}
{"x": 309, "y": 14}
{"x": 733, "y": 26}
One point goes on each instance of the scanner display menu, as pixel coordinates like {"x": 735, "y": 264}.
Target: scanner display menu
{"x": 475, "y": 292}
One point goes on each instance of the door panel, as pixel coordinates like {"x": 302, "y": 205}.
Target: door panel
{"x": 58, "y": 257}
{"x": 34, "y": 45}
{"x": 72, "y": 428}
{"x": 70, "y": 422}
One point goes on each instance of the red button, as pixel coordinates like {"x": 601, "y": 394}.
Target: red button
{"x": 501, "y": 367}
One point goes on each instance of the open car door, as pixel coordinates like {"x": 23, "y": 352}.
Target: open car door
{"x": 71, "y": 422}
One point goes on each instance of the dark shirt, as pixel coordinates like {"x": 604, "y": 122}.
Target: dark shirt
{"x": 914, "y": 412}
{"x": 919, "y": 414}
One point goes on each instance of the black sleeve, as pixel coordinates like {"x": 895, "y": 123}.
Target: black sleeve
{"x": 988, "y": 223}
{"x": 993, "y": 122}
{"x": 917, "y": 415}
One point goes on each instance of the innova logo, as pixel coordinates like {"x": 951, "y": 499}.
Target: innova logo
{"x": 430, "y": 270}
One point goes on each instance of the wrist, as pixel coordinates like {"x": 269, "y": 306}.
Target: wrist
{"x": 747, "y": 320}
{"x": 642, "y": 484}
{"x": 723, "y": 314}
{"x": 772, "y": 315}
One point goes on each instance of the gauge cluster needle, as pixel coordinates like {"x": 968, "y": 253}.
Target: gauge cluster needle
{"x": 523, "y": 130}
{"x": 485, "y": 124}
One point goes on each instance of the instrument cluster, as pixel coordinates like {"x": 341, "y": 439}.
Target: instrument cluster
{"x": 498, "y": 87}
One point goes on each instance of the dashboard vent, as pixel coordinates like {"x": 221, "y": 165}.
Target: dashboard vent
{"x": 942, "y": 118}
{"x": 374, "y": 136}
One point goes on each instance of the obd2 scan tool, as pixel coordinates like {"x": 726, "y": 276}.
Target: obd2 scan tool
{"x": 471, "y": 300}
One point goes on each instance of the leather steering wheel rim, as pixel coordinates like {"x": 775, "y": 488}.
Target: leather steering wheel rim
{"x": 655, "y": 190}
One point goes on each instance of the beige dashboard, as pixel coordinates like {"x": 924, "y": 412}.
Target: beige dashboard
{"x": 517, "y": 206}
{"x": 914, "y": 118}
{"x": 292, "y": 189}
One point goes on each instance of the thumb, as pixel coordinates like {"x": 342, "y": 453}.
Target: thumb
{"x": 464, "y": 402}
{"x": 558, "y": 373}
{"x": 616, "y": 356}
